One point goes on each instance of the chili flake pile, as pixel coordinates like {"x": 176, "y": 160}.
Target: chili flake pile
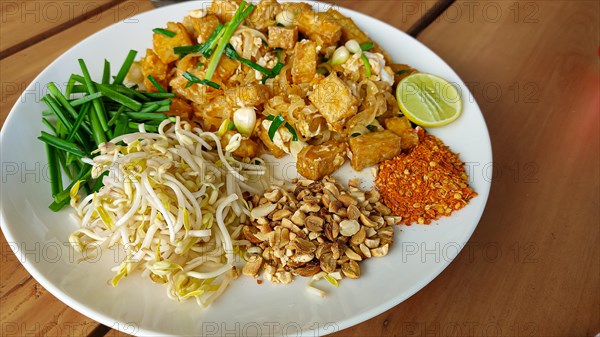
{"x": 424, "y": 184}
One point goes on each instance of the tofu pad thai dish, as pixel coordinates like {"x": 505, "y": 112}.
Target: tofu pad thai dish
{"x": 168, "y": 158}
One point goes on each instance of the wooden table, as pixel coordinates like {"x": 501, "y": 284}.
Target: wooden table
{"x": 532, "y": 268}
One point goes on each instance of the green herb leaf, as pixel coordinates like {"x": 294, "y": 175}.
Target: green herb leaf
{"x": 356, "y": 134}
{"x": 371, "y": 127}
{"x": 401, "y": 72}
{"x": 164, "y": 32}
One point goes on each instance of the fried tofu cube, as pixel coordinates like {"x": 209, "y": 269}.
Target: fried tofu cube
{"x": 402, "y": 127}
{"x": 248, "y": 95}
{"x": 350, "y": 31}
{"x": 152, "y": 65}
{"x": 247, "y": 149}
{"x": 374, "y": 147}
{"x": 283, "y": 37}
{"x": 397, "y": 125}
{"x": 226, "y": 68}
{"x": 304, "y": 67}
{"x": 181, "y": 108}
{"x": 263, "y": 15}
{"x": 204, "y": 27}
{"x": 334, "y": 100}
{"x": 316, "y": 161}
{"x": 319, "y": 28}
{"x": 223, "y": 9}
{"x": 163, "y": 45}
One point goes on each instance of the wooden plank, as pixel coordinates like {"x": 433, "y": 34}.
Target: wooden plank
{"x": 42, "y": 19}
{"x": 532, "y": 266}
{"x": 26, "y": 308}
{"x": 19, "y": 70}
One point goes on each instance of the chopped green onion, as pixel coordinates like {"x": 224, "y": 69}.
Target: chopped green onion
{"x": 85, "y": 99}
{"x": 125, "y": 67}
{"x": 277, "y": 122}
{"x": 116, "y": 116}
{"x": 292, "y": 131}
{"x": 91, "y": 89}
{"x": 54, "y": 170}
{"x": 78, "y": 122}
{"x": 401, "y": 72}
{"x": 322, "y": 70}
{"x": 106, "y": 73}
{"x": 49, "y": 125}
{"x": 121, "y": 126}
{"x": 367, "y": 46}
{"x": 232, "y": 54}
{"x": 356, "y": 134}
{"x": 371, "y": 127}
{"x": 160, "y": 95}
{"x": 119, "y": 97}
{"x": 98, "y": 183}
{"x": 367, "y": 65}
{"x": 230, "y": 126}
{"x": 156, "y": 84}
{"x": 164, "y": 32}
{"x": 240, "y": 15}
{"x": 200, "y": 64}
{"x": 148, "y": 128}
{"x": 61, "y": 144}
{"x": 195, "y": 80}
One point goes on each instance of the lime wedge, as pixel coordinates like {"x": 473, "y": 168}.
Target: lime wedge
{"x": 428, "y": 100}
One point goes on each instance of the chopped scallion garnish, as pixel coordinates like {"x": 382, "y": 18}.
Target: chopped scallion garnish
{"x": 195, "y": 80}
{"x": 156, "y": 84}
{"x": 367, "y": 46}
{"x": 367, "y": 65}
{"x": 164, "y": 32}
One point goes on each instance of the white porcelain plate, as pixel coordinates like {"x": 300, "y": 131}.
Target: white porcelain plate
{"x": 39, "y": 236}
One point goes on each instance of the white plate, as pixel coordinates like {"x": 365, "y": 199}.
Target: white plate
{"x": 39, "y": 236}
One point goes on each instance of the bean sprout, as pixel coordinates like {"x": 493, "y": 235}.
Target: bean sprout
{"x": 161, "y": 199}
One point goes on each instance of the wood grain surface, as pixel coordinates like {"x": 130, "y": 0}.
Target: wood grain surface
{"x": 532, "y": 267}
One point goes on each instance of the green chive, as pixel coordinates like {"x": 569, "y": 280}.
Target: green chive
{"x": 156, "y": 84}
{"x": 49, "y": 125}
{"x": 116, "y": 116}
{"x": 159, "y": 95}
{"x": 195, "y": 80}
{"x": 164, "y": 32}
{"x": 240, "y": 15}
{"x": 367, "y": 46}
{"x": 98, "y": 107}
{"x": 367, "y": 64}
{"x": 356, "y": 134}
{"x": 85, "y": 99}
{"x": 106, "y": 72}
{"x": 371, "y": 127}
{"x": 61, "y": 144}
{"x": 119, "y": 97}
{"x": 99, "y": 135}
{"x": 125, "y": 67}
{"x": 54, "y": 170}
{"x": 277, "y": 122}
{"x": 78, "y": 122}
{"x": 292, "y": 131}
{"x": 121, "y": 126}
{"x": 401, "y": 72}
